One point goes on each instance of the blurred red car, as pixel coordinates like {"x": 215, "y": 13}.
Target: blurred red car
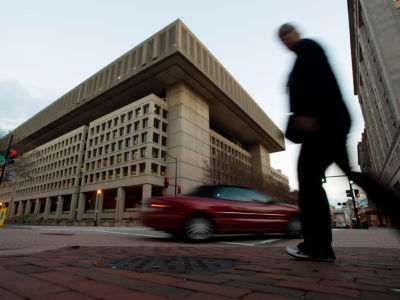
{"x": 215, "y": 209}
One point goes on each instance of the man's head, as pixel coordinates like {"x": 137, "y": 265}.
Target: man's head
{"x": 289, "y": 36}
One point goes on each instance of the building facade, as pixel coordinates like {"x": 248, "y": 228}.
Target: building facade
{"x": 375, "y": 45}
{"x": 167, "y": 108}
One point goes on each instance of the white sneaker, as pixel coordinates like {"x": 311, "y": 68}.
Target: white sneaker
{"x": 299, "y": 254}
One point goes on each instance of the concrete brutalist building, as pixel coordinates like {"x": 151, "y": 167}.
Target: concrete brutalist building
{"x": 166, "y": 108}
{"x": 375, "y": 44}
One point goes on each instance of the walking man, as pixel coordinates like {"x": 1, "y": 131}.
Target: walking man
{"x": 320, "y": 122}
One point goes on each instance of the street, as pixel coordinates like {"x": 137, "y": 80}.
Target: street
{"x": 49, "y": 262}
{"x": 22, "y": 239}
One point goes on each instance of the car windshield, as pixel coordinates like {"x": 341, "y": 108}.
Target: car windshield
{"x": 241, "y": 194}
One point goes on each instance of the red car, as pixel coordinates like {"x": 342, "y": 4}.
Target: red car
{"x": 214, "y": 209}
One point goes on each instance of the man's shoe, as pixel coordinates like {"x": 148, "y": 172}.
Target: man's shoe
{"x": 300, "y": 254}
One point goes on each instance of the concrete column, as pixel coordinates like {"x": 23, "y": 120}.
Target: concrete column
{"x": 73, "y": 206}
{"x": 121, "y": 194}
{"x": 60, "y": 204}
{"x": 47, "y": 208}
{"x": 10, "y": 210}
{"x": 146, "y": 191}
{"x": 81, "y": 206}
{"x": 98, "y": 208}
{"x": 260, "y": 159}
{"x": 37, "y": 207}
{"x": 20, "y": 206}
{"x": 28, "y": 207}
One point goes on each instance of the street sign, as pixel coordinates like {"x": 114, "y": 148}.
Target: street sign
{"x": 349, "y": 193}
{"x": 3, "y": 212}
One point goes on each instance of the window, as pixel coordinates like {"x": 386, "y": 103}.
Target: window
{"x": 164, "y": 141}
{"x": 133, "y": 170}
{"x": 113, "y": 147}
{"x": 143, "y": 152}
{"x": 115, "y": 134}
{"x": 108, "y": 135}
{"x": 118, "y": 173}
{"x": 126, "y": 156}
{"x": 144, "y": 137}
{"x": 157, "y": 109}
{"x": 142, "y": 168}
{"x": 105, "y": 162}
{"x": 164, "y": 127}
{"x": 154, "y": 169}
{"x": 125, "y": 171}
{"x": 127, "y": 142}
{"x": 116, "y": 122}
{"x": 145, "y": 123}
{"x": 122, "y": 119}
{"x": 138, "y": 112}
{"x": 241, "y": 194}
{"x": 135, "y": 140}
{"x": 103, "y": 176}
{"x": 130, "y": 115}
{"x": 163, "y": 155}
{"x": 165, "y": 113}
{"x": 137, "y": 125}
{"x": 129, "y": 128}
{"x": 154, "y": 153}
{"x": 103, "y": 126}
{"x": 119, "y": 158}
{"x": 110, "y": 174}
{"x": 146, "y": 109}
{"x": 109, "y": 124}
{"x": 156, "y": 123}
{"x": 111, "y": 160}
{"x": 162, "y": 171}
{"x": 156, "y": 137}
{"x": 121, "y": 131}
{"x": 120, "y": 144}
{"x": 99, "y": 163}
{"x": 134, "y": 154}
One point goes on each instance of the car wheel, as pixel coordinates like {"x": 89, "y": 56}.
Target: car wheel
{"x": 198, "y": 228}
{"x": 294, "y": 228}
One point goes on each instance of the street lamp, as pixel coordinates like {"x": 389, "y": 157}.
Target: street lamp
{"x": 96, "y": 211}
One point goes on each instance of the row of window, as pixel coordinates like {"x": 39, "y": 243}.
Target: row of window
{"x": 125, "y": 157}
{"x": 126, "y": 130}
{"x": 57, "y": 165}
{"x": 127, "y": 171}
{"x": 62, "y": 184}
{"x": 126, "y": 144}
{"x": 221, "y": 147}
{"x": 114, "y": 122}
{"x": 62, "y": 144}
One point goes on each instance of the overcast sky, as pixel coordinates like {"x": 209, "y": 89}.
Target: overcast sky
{"x": 49, "y": 47}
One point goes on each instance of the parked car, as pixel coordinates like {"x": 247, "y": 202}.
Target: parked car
{"x": 217, "y": 209}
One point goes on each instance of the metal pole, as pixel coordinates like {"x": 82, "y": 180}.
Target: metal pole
{"x": 354, "y": 204}
{"x": 176, "y": 174}
{"x": 96, "y": 209}
{"x": 6, "y": 160}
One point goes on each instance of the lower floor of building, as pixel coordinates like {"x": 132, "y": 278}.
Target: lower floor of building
{"x": 99, "y": 207}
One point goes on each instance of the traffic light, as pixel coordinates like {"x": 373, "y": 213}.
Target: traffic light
{"x": 179, "y": 189}
{"x": 11, "y": 156}
{"x": 357, "y": 193}
{"x": 351, "y": 182}
{"x": 166, "y": 182}
{"x": 349, "y": 193}
{"x": 323, "y": 180}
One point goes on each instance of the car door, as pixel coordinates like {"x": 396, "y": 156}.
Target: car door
{"x": 245, "y": 210}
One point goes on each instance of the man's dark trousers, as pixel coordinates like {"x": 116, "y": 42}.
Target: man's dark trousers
{"x": 315, "y": 156}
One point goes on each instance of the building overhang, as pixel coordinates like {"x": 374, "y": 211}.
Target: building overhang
{"x": 171, "y": 56}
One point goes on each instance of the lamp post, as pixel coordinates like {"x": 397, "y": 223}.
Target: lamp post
{"x": 96, "y": 211}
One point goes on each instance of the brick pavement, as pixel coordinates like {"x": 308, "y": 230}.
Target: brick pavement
{"x": 90, "y": 272}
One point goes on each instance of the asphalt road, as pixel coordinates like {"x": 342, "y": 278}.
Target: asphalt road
{"x": 22, "y": 239}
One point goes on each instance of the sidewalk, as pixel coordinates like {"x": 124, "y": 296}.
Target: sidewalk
{"x": 191, "y": 272}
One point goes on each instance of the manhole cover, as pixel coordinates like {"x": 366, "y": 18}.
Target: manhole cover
{"x": 170, "y": 264}
{"x": 58, "y": 233}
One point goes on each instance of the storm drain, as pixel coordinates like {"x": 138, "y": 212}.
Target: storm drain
{"x": 171, "y": 264}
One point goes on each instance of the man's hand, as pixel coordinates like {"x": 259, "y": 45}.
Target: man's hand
{"x": 306, "y": 124}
